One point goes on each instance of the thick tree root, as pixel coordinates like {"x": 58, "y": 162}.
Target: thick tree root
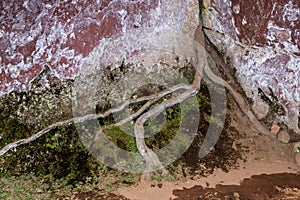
{"x": 239, "y": 100}
{"x": 150, "y": 157}
{"x": 81, "y": 119}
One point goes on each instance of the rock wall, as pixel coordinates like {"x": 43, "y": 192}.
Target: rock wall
{"x": 44, "y": 46}
{"x": 71, "y": 35}
{"x": 76, "y": 37}
{"x": 262, "y": 40}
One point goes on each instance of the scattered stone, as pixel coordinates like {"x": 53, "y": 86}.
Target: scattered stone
{"x": 260, "y": 108}
{"x": 274, "y": 129}
{"x": 39, "y": 190}
{"x": 250, "y": 50}
{"x": 283, "y": 136}
{"x": 234, "y": 146}
{"x": 236, "y": 196}
{"x": 296, "y": 148}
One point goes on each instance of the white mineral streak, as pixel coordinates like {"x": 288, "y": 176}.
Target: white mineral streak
{"x": 123, "y": 13}
{"x": 113, "y": 51}
{"x": 175, "y": 15}
{"x": 291, "y": 13}
{"x": 236, "y": 9}
{"x": 44, "y": 40}
{"x": 250, "y": 61}
{"x": 244, "y": 22}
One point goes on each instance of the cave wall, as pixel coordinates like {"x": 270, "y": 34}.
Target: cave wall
{"x": 262, "y": 41}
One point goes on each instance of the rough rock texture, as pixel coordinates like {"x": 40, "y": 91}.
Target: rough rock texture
{"x": 74, "y": 37}
{"x": 283, "y": 136}
{"x": 48, "y": 101}
{"x": 262, "y": 39}
{"x": 65, "y": 35}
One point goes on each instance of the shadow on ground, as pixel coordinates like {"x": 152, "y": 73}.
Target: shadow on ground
{"x": 258, "y": 187}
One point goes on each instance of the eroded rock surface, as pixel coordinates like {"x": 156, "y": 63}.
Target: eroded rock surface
{"x": 76, "y": 37}
{"x": 262, "y": 39}
{"x": 62, "y": 34}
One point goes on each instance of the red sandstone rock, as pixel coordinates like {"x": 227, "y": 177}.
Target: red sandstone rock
{"x": 262, "y": 39}
{"x": 274, "y": 129}
{"x": 283, "y": 136}
{"x": 63, "y": 34}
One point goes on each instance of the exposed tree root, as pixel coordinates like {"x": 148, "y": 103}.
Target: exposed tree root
{"x": 94, "y": 116}
{"x": 150, "y": 157}
{"x": 239, "y": 100}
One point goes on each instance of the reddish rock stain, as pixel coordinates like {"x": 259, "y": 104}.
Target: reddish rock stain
{"x": 253, "y": 18}
{"x": 57, "y": 26}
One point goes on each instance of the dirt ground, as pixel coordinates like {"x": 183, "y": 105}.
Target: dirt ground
{"x": 268, "y": 173}
{"x": 267, "y": 170}
{"x": 258, "y": 187}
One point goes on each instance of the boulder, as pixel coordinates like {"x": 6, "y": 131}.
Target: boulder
{"x": 262, "y": 40}
{"x": 45, "y": 46}
{"x": 283, "y": 136}
{"x": 71, "y": 36}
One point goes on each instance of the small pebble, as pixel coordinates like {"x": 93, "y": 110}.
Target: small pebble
{"x": 236, "y": 196}
{"x": 283, "y": 136}
{"x": 274, "y": 129}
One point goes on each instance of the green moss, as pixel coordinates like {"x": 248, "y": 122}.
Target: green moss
{"x": 188, "y": 73}
{"x": 121, "y": 139}
{"x": 59, "y": 154}
{"x": 11, "y": 129}
{"x": 166, "y": 133}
